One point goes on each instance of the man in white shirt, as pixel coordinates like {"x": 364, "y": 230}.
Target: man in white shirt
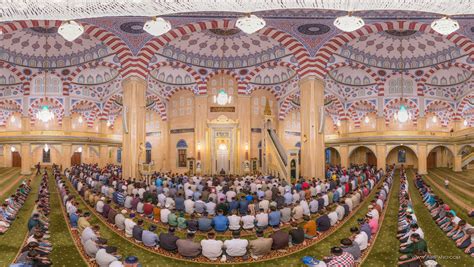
{"x": 360, "y": 238}
{"x": 236, "y": 247}
{"x": 211, "y": 207}
{"x": 189, "y": 205}
{"x": 164, "y": 214}
{"x": 234, "y": 221}
{"x": 262, "y": 219}
{"x": 333, "y": 217}
{"x": 99, "y": 206}
{"x": 305, "y": 206}
{"x": 211, "y": 248}
{"x": 264, "y": 204}
{"x": 340, "y": 211}
{"x": 129, "y": 224}
{"x": 373, "y": 212}
{"x": 313, "y": 205}
{"x": 248, "y": 222}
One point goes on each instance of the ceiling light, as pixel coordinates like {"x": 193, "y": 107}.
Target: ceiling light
{"x": 157, "y": 26}
{"x": 367, "y": 119}
{"x": 402, "y": 114}
{"x": 79, "y": 149}
{"x": 349, "y": 23}
{"x": 71, "y": 30}
{"x": 465, "y": 123}
{"x": 46, "y": 148}
{"x": 222, "y": 98}
{"x": 108, "y": 124}
{"x": 338, "y": 123}
{"x": 13, "y": 149}
{"x": 45, "y": 115}
{"x": 445, "y": 26}
{"x": 434, "y": 119}
{"x": 12, "y": 119}
{"x": 80, "y": 119}
{"x": 250, "y": 24}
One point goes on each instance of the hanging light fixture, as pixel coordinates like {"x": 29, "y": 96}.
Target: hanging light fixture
{"x": 250, "y": 24}
{"x": 46, "y": 148}
{"x": 12, "y": 119}
{"x": 79, "y": 149}
{"x": 338, "y": 123}
{"x": 445, "y": 25}
{"x": 157, "y": 26}
{"x": 402, "y": 115}
{"x": 13, "y": 149}
{"x": 45, "y": 115}
{"x": 70, "y": 30}
{"x": 222, "y": 98}
{"x": 367, "y": 119}
{"x": 465, "y": 123}
{"x": 349, "y": 23}
{"x": 434, "y": 119}
{"x": 80, "y": 119}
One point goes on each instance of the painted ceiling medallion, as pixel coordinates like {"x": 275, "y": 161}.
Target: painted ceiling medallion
{"x": 225, "y": 32}
{"x": 314, "y": 29}
{"x": 133, "y": 27}
{"x": 401, "y": 33}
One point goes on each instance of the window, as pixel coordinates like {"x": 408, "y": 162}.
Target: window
{"x": 53, "y": 83}
{"x": 47, "y": 156}
{"x": 182, "y": 147}
{"x": 148, "y": 152}
{"x": 119, "y": 155}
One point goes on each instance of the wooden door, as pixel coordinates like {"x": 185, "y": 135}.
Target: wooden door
{"x": 16, "y": 159}
{"x": 431, "y": 160}
{"x": 371, "y": 159}
{"x": 76, "y": 158}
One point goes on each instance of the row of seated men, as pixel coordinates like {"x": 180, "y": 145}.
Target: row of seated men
{"x": 12, "y": 205}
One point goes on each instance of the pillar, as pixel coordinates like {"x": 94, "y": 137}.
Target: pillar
{"x": 103, "y": 128}
{"x": 103, "y": 155}
{"x": 344, "y": 154}
{"x": 422, "y": 159}
{"x": 380, "y": 125}
{"x": 244, "y": 111}
{"x": 421, "y": 124}
{"x": 344, "y": 128}
{"x": 66, "y": 155}
{"x": 312, "y": 145}
{"x": 457, "y": 159}
{"x": 133, "y": 143}
{"x": 25, "y": 152}
{"x": 381, "y": 153}
{"x": 457, "y": 125}
{"x": 200, "y": 128}
{"x": 67, "y": 125}
{"x": 25, "y": 124}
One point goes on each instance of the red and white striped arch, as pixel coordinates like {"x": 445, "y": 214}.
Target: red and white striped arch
{"x": 159, "y": 107}
{"x": 265, "y": 88}
{"x": 285, "y": 107}
{"x": 340, "y": 108}
{"x": 378, "y": 81}
{"x": 58, "y": 108}
{"x": 6, "y": 108}
{"x": 108, "y": 104}
{"x": 140, "y": 67}
{"x": 445, "y": 116}
{"x": 245, "y": 83}
{"x": 14, "y": 70}
{"x": 201, "y": 85}
{"x": 426, "y": 77}
{"x": 410, "y": 104}
{"x": 224, "y": 72}
{"x": 462, "y": 104}
{"x": 119, "y": 47}
{"x": 67, "y": 82}
{"x": 90, "y": 116}
{"x": 352, "y": 111}
{"x": 332, "y": 46}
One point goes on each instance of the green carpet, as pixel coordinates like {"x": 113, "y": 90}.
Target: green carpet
{"x": 438, "y": 243}
{"x": 453, "y": 187}
{"x": 10, "y": 181}
{"x": 385, "y": 249}
{"x": 12, "y": 240}
{"x": 64, "y": 251}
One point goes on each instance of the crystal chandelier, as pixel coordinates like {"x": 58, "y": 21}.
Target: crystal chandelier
{"x": 402, "y": 115}
{"x": 465, "y": 123}
{"x": 445, "y": 26}
{"x": 45, "y": 114}
{"x": 157, "y": 26}
{"x": 70, "y": 30}
{"x": 250, "y": 24}
{"x": 222, "y": 98}
{"x": 349, "y": 23}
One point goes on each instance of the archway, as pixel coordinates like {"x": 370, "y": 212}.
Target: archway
{"x": 440, "y": 156}
{"x": 332, "y": 156}
{"x": 16, "y": 158}
{"x": 363, "y": 155}
{"x": 402, "y": 156}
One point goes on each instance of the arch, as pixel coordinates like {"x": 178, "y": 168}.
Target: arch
{"x": 14, "y": 70}
{"x": 9, "y": 111}
{"x": 116, "y": 44}
{"x": 94, "y": 114}
{"x": 445, "y": 146}
{"x": 398, "y": 154}
{"x": 35, "y": 104}
{"x": 330, "y": 47}
{"x": 353, "y": 113}
{"x": 415, "y": 79}
{"x": 177, "y": 89}
{"x": 68, "y": 80}
{"x": 157, "y": 106}
{"x": 27, "y": 84}
{"x": 426, "y": 77}
{"x": 334, "y": 156}
{"x": 107, "y": 106}
{"x": 181, "y": 144}
{"x": 450, "y": 111}
{"x": 225, "y": 72}
{"x": 408, "y": 102}
{"x": 464, "y": 101}
{"x": 359, "y": 146}
{"x": 243, "y": 86}
{"x": 156, "y": 43}
{"x": 378, "y": 81}
{"x": 265, "y": 88}
{"x": 461, "y": 149}
{"x": 202, "y": 88}
{"x": 286, "y": 107}
{"x": 368, "y": 155}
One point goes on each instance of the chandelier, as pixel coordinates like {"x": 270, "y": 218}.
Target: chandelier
{"x": 250, "y": 24}
{"x": 157, "y": 26}
{"x": 45, "y": 114}
{"x": 402, "y": 115}
{"x": 70, "y": 30}
{"x": 222, "y": 98}
{"x": 46, "y": 148}
{"x": 349, "y": 23}
{"x": 445, "y": 26}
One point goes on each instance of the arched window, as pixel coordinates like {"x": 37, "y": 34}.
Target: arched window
{"x": 148, "y": 152}
{"x": 46, "y": 156}
{"x": 182, "y": 148}
{"x": 119, "y": 155}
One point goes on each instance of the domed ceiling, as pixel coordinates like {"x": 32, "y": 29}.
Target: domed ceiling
{"x": 28, "y": 48}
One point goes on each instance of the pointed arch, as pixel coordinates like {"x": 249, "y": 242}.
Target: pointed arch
{"x": 378, "y": 81}
{"x": 92, "y": 116}
{"x": 243, "y": 87}
{"x": 58, "y": 108}
{"x": 353, "y": 113}
{"x": 388, "y": 114}
{"x": 202, "y": 89}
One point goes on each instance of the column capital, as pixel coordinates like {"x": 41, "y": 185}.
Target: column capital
{"x": 136, "y": 79}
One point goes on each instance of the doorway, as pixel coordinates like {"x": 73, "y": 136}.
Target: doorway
{"x": 293, "y": 169}
{"x": 16, "y": 159}
{"x": 76, "y": 158}
{"x": 371, "y": 158}
{"x": 222, "y": 162}
{"x": 431, "y": 160}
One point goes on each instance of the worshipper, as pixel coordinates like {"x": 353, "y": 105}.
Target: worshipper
{"x": 348, "y": 246}
{"x": 359, "y": 237}
{"x": 137, "y": 231}
{"x": 211, "y": 248}
{"x": 105, "y": 256}
{"x": 262, "y": 219}
{"x": 297, "y": 234}
{"x": 248, "y": 222}
{"x": 187, "y": 247}
{"x": 150, "y": 238}
{"x": 129, "y": 225}
{"x": 234, "y": 221}
{"x": 339, "y": 258}
{"x": 220, "y": 222}
{"x": 261, "y": 246}
{"x": 83, "y": 221}
{"x": 309, "y": 228}
{"x": 417, "y": 244}
{"x": 120, "y": 220}
{"x": 323, "y": 222}
{"x": 236, "y": 247}
{"x": 204, "y": 223}
{"x": 168, "y": 240}
{"x": 280, "y": 239}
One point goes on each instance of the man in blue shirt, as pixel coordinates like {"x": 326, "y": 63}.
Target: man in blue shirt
{"x": 274, "y": 217}
{"x": 204, "y": 223}
{"x": 74, "y": 217}
{"x": 149, "y": 238}
{"x": 220, "y": 222}
{"x": 243, "y": 206}
{"x": 233, "y": 205}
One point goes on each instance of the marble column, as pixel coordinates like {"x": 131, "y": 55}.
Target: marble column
{"x": 422, "y": 159}
{"x": 381, "y": 153}
{"x": 244, "y": 111}
{"x": 457, "y": 159}
{"x": 25, "y": 152}
{"x": 25, "y": 124}
{"x": 344, "y": 154}
{"x": 200, "y": 129}
{"x": 380, "y": 124}
{"x": 103, "y": 155}
{"x": 66, "y": 155}
{"x": 67, "y": 125}
{"x": 421, "y": 124}
{"x": 103, "y": 128}
{"x": 344, "y": 128}
{"x": 312, "y": 141}
{"x": 133, "y": 143}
